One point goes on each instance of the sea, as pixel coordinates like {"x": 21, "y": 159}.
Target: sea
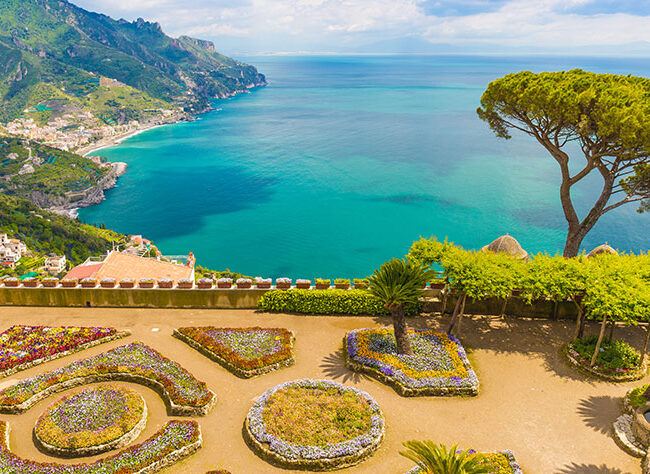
{"x": 341, "y": 162}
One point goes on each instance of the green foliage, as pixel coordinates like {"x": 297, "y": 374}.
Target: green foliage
{"x": 361, "y": 283}
{"x": 342, "y": 281}
{"x": 435, "y": 458}
{"x": 612, "y": 355}
{"x": 52, "y": 233}
{"x": 202, "y": 272}
{"x": 330, "y": 301}
{"x": 636, "y": 397}
{"x": 554, "y": 277}
{"x": 398, "y": 282}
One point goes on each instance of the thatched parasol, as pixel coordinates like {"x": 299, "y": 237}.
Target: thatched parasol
{"x": 506, "y": 244}
{"x": 605, "y": 248}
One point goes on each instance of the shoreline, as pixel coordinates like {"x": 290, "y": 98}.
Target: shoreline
{"x": 117, "y": 139}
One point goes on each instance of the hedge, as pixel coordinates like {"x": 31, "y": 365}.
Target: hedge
{"x": 350, "y": 302}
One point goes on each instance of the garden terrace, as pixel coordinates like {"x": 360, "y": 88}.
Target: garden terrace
{"x": 246, "y": 352}
{"x": 176, "y": 440}
{"x": 27, "y": 346}
{"x": 518, "y": 362}
{"x": 439, "y": 365}
{"x": 314, "y": 424}
{"x": 134, "y": 362}
{"x": 502, "y": 462}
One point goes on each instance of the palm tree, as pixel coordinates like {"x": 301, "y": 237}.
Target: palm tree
{"x": 397, "y": 283}
{"x": 434, "y": 458}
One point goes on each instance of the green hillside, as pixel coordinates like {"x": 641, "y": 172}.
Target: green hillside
{"x": 45, "y": 232}
{"x": 54, "y": 42}
{"x": 54, "y": 174}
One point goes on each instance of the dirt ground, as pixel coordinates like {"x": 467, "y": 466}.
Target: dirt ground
{"x": 554, "y": 419}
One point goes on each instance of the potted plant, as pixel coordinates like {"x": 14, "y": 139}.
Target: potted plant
{"x": 244, "y": 282}
{"x": 69, "y": 283}
{"x": 146, "y": 283}
{"x": 204, "y": 283}
{"x": 303, "y": 284}
{"x": 361, "y": 284}
{"x": 88, "y": 283}
{"x": 50, "y": 282}
{"x": 263, "y": 283}
{"x": 30, "y": 282}
{"x": 107, "y": 283}
{"x": 184, "y": 283}
{"x": 342, "y": 283}
{"x": 224, "y": 283}
{"x": 323, "y": 284}
{"x": 127, "y": 283}
{"x": 283, "y": 283}
{"x": 165, "y": 283}
{"x": 437, "y": 284}
{"x": 11, "y": 282}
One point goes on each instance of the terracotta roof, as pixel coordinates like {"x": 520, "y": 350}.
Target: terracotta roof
{"x": 84, "y": 271}
{"x": 120, "y": 265}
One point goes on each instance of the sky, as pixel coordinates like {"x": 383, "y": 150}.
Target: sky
{"x": 376, "y": 26}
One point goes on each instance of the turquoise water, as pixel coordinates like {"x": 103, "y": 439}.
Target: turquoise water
{"x": 342, "y": 162}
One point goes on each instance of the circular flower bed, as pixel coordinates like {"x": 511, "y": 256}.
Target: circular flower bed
{"x": 314, "y": 424}
{"x": 91, "y": 421}
{"x": 617, "y": 361}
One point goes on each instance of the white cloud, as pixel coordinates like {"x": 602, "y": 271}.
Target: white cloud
{"x": 332, "y": 24}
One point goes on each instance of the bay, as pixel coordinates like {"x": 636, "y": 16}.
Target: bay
{"x": 341, "y": 162}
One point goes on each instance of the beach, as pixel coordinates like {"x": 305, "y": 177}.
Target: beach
{"x": 117, "y": 139}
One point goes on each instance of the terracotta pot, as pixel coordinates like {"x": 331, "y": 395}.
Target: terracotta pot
{"x": 145, "y": 284}
{"x": 263, "y": 286}
{"x": 165, "y": 284}
{"x": 437, "y": 285}
{"x": 303, "y": 286}
{"x": 322, "y": 286}
{"x": 31, "y": 284}
{"x": 342, "y": 286}
{"x": 127, "y": 284}
{"x": 107, "y": 284}
{"x": 244, "y": 285}
{"x": 283, "y": 286}
{"x": 11, "y": 284}
{"x": 50, "y": 283}
{"x": 224, "y": 284}
{"x": 69, "y": 283}
{"x": 88, "y": 284}
{"x": 205, "y": 286}
{"x": 184, "y": 284}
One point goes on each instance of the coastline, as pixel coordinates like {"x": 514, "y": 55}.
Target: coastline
{"x": 117, "y": 139}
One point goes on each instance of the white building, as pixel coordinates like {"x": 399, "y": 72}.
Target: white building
{"x": 55, "y": 265}
{"x": 11, "y": 250}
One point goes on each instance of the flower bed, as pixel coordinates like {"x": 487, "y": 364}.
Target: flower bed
{"x": 502, "y": 462}
{"x": 246, "y": 352}
{"x": 617, "y": 362}
{"x": 22, "y": 347}
{"x": 175, "y": 441}
{"x": 439, "y": 365}
{"x": 136, "y": 362}
{"x": 91, "y": 421}
{"x": 314, "y": 424}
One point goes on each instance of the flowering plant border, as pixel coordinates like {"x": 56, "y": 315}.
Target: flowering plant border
{"x": 403, "y": 378}
{"x": 173, "y": 442}
{"x": 618, "y": 375}
{"x": 136, "y": 362}
{"x": 331, "y": 457}
{"x": 510, "y": 457}
{"x": 63, "y": 350}
{"x": 52, "y": 439}
{"x": 245, "y": 368}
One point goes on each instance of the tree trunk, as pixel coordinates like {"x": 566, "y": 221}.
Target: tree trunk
{"x": 503, "y": 308}
{"x": 460, "y": 316}
{"x": 645, "y": 348}
{"x": 401, "y": 332}
{"x": 579, "y": 323}
{"x": 599, "y": 342}
{"x": 583, "y": 323}
{"x": 572, "y": 245}
{"x": 610, "y": 336}
{"x": 454, "y": 317}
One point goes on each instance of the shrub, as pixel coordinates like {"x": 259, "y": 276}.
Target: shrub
{"x": 361, "y": 283}
{"x": 326, "y": 302}
{"x": 323, "y": 281}
{"x": 342, "y": 281}
{"x": 612, "y": 355}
